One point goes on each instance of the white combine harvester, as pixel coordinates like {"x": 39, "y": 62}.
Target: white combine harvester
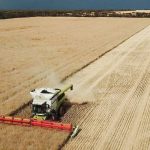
{"x": 48, "y": 102}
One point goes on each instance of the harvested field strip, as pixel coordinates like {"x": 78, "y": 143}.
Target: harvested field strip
{"x": 126, "y": 112}
{"x": 141, "y": 139}
{"x": 121, "y": 95}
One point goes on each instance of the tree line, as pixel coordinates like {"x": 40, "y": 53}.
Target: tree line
{"x": 6, "y": 14}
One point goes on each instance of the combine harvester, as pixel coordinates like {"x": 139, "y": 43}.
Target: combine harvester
{"x": 47, "y": 103}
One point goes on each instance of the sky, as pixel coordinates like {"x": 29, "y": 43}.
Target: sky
{"x": 74, "y": 4}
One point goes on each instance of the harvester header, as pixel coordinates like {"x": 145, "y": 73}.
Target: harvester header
{"x": 33, "y": 122}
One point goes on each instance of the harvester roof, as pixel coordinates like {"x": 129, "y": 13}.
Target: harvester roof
{"x": 42, "y": 94}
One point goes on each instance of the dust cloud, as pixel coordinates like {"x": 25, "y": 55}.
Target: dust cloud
{"x": 52, "y": 78}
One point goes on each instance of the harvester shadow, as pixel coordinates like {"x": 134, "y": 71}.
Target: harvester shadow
{"x": 21, "y": 108}
{"x": 68, "y": 105}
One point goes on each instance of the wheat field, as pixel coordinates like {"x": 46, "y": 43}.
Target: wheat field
{"x": 107, "y": 60}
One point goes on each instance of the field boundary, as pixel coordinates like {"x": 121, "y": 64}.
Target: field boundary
{"x": 92, "y": 61}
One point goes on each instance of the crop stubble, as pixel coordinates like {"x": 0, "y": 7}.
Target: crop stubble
{"x": 120, "y": 119}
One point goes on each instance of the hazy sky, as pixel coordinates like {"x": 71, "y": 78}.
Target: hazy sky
{"x": 74, "y": 4}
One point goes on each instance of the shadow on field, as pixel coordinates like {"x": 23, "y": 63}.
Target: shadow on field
{"x": 74, "y": 112}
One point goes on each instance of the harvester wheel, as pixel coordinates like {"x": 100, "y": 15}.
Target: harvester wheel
{"x": 62, "y": 110}
{"x": 54, "y": 117}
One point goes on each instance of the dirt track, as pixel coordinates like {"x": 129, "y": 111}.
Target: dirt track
{"x": 120, "y": 86}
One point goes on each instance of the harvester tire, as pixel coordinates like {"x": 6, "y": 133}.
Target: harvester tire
{"x": 54, "y": 117}
{"x": 62, "y": 110}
